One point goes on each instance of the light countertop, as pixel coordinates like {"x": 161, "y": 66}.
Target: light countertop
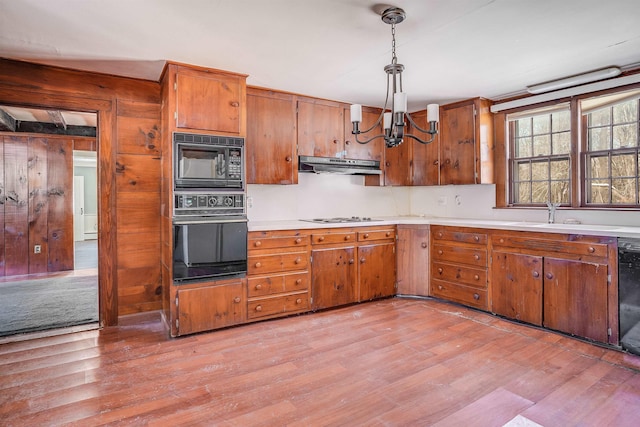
{"x": 589, "y": 229}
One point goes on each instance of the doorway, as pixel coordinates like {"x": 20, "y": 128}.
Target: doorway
{"x": 53, "y": 283}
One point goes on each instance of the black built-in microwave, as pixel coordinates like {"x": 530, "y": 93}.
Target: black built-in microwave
{"x": 208, "y": 162}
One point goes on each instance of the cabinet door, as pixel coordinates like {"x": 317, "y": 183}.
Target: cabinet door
{"x": 413, "y": 261}
{"x": 271, "y": 138}
{"x": 211, "y": 307}
{"x": 458, "y": 145}
{"x": 377, "y": 271}
{"x": 320, "y": 128}
{"x": 333, "y": 277}
{"x": 397, "y": 165}
{"x": 516, "y": 286}
{"x": 208, "y": 101}
{"x": 575, "y": 298}
{"x": 425, "y": 168}
{"x": 354, "y": 150}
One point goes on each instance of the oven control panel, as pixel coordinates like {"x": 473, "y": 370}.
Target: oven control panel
{"x": 209, "y": 204}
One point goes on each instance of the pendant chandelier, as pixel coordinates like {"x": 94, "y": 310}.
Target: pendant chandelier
{"x": 393, "y": 119}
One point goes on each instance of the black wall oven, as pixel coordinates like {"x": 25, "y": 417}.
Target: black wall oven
{"x": 209, "y": 248}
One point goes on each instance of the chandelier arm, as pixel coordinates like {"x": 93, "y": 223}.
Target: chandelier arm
{"x": 415, "y": 125}
{"x": 430, "y": 140}
{"x": 368, "y": 140}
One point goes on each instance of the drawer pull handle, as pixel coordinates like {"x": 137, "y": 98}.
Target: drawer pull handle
{"x": 298, "y": 260}
{"x": 476, "y": 238}
{"x": 298, "y": 281}
{"x": 424, "y": 245}
{"x": 388, "y": 233}
{"x": 258, "y": 265}
{"x": 476, "y": 277}
{"x": 258, "y": 308}
{"x": 476, "y": 297}
{"x": 536, "y": 274}
{"x": 298, "y": 240}
{"x": 440, "y": 287}
{"x": 258, "y": 243}
{"x": 440, "y": 252}
{"x": 501, "y": 240}
{"x": 236, "y": 300}
{"x": 366, "y": 235}
{"x": 549, "y": 276}
{"x": 476, "y": 257}
{"x": 440, "y": 235}
{"x": 321, "y": 238}
{"x": 362, "y": 260}
{"x": 299, "y": 301}
{"x": 258, "y": 287}
{"x": 347, "y": 237}
{"x": 440, "y": 270}
{"x": 591, "y": 249}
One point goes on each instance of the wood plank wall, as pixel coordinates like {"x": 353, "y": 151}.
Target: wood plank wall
{"x": 126, "y": 109}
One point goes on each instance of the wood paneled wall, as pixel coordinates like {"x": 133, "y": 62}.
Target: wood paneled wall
{"x": 126, "y": 109}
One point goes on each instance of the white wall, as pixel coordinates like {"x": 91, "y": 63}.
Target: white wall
{"x": 318, "y": 196}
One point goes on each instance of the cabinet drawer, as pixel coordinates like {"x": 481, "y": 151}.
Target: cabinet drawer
{"x": 333, "y": 238}
{"x": 449, "y": 234}
{"x": 459, "y": 293}
{"x": 463, "y": 255}
{"x": 290, "y": 261}
{"x": 386, "y": 234}
{"x": 549, "y": 245}
{"x": 475, "y": 277}
{"x": 294, "y": 303}
{"x": 277, "y": 242}
{"x": 261, "y": 286}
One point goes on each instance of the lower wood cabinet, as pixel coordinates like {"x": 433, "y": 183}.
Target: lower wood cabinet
{"x": 205, "y": 306}
{"x": 333, "y": 276}
{"x": 413, "y": 260}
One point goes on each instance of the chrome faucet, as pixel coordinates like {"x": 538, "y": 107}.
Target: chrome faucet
{"x": 552, "y": 211}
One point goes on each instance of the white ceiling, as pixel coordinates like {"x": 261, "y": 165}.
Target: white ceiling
{"x": 336, "y": 49}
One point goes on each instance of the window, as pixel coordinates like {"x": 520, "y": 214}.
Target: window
{"x": 611, "y": 154}
{"x": 602, "y": 170}
{"x": 541, "y": 162}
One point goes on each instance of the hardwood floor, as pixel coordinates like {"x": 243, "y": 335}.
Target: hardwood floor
{"x": 391, "y": 362}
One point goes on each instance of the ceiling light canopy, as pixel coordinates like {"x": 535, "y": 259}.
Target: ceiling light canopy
{"x": 393, "y": 119}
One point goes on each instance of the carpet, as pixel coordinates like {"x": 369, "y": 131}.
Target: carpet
{"x": 36, "y": 305}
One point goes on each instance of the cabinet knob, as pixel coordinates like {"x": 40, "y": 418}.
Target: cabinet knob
{"x": 351, "y": 261}
{"x": 440, "y": 252}
{"x": 287, "y": 159}
{"x": 362, "y": 260}
{"x": 299, "y": 301}
{"x": 476, "y": 238}
{"x": 387, "y": 164}
{"x": 476, "y": 257}
{"x": 347, "y": 237}
{"x": 236, "y": 300}
{"x": 388, "y": 234}
{"x": 258, "y": 308}
{"x": 321, "y": 238}
{"x": 424, "y": 245}
{"x": 476, "y": 277}
{"x": 347, "y": 142}
{"x": 258, "y": 287}
{"x": 591, "y": 249}
{"x": 549, "y": 276}
{"x": 440, "y": 287}
{"x": 257, "y": 244}
{"x": 501, "y": 240}
{"x": 298, "y": 281}
{"x": 440, "y": 235}
{"x": 476, "y": 297}
{"x": 235, "y": 104}
{"x": 335, "y": 141}
{"x": 258, "y": 265}
{"x": 298, "y": 260}
{"x": 536, "y": 274}
{"x": 298, "y": 241}
{"x": 440, "y": 270}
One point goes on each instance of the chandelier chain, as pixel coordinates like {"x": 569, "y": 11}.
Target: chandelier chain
{"x": 394, "y": 60}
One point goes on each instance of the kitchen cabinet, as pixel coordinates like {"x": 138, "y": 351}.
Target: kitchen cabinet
{"x": 210, "y": 305}
{"x": 413, "y": 260}
{"x": 278, "y": 275}
{"x": 466, "y": 143}
{"x": 561, "y": 282}
{"x": 373, "y": 150}
{"x": 209, "y": 100}
{"x": 459, "y": 265}
{"x": 376, "y": 263}
{"x": 270, "y": 146}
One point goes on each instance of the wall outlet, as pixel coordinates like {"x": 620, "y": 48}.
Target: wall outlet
{"x": 458, "y": 200}
{"x": 37, "y": 249}
{"x": 249, "y": 202}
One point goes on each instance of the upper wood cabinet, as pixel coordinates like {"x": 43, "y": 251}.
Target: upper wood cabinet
{"x": 206, "y": 100}
{"x": 466, "y": 143}
{"x": 271, "y": 137}
{"x": 374, "y": 150}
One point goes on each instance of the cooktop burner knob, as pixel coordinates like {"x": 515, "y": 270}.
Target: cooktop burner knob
{"x": 213, "y": 201}
{"x": 228, "y": 201}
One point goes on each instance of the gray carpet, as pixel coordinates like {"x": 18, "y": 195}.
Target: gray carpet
{"x": 36, "y": 305}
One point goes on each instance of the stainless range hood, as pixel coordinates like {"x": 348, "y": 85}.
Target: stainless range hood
{"x": 338, "y": 166}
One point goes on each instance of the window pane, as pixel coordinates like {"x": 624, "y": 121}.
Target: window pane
{"x": 626, "y": 112}
{"x": 540, "y": 192}
{"x": 561, "y": 121}
{"x": 599, "y": 139}
{"x": 600, "y": 117}
{"x": 523, "y": 172}
{"x": 523, "y": 147}
{"x": 540, "y": 171}
{"x": 541, "y": 145}
{"x": 625, "y": 136}
{"x": 623, "y": 165}
{"x": 541, "y": 124}
{"x": 561, "y": 143}
{"x": 599, "y": 192}
{"x": 624, "y": 191}
{"x": 600, "y": 167}
{"x": 522, "y": 192}
{"x": 560, "y": 169}
{"x": 560, "y": 191}
{"x": 523, "y": 127}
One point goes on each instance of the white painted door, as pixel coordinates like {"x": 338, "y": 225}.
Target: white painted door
{"x": 78, "y": 208}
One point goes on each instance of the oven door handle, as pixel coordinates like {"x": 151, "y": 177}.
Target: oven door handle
{"x": 225, "y": 220}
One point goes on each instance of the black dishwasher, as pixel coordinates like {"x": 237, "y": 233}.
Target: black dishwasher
{"x": 629, "y": 293}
